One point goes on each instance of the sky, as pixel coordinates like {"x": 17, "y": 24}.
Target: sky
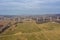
{"x": 29, "y": 7}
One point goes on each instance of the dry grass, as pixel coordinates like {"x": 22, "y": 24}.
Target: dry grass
{"x": 33, "y": 31}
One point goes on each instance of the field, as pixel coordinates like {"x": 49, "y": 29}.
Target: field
{"x": 32, "y": 31}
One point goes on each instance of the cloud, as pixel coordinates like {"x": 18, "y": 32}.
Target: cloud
{"x": 27, "y": 4}
{"x": 33, "y": 6}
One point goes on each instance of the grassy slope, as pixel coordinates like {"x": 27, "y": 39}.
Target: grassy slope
{"x": 33, "y": 31}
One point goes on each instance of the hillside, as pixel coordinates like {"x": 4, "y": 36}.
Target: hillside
{"x": 32, "y": 31}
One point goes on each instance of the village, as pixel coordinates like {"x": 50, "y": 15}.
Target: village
{"x": 8, "y": 21}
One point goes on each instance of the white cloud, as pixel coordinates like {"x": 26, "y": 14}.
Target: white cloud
{"x": 26, "y": 4}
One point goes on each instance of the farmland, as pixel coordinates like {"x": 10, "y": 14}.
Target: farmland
{"x": 32, "y": 31}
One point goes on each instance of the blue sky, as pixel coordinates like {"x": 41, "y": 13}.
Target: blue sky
{"x": 29, "y": 7}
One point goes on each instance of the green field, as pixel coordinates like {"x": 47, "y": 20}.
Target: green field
{"x": 32, "y": 31}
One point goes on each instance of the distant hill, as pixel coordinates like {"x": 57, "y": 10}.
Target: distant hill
{"x": 52, "y": 14}
{"x": 32, "y": 15}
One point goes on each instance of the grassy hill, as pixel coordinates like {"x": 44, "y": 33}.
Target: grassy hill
{"x": 32, "y": 31}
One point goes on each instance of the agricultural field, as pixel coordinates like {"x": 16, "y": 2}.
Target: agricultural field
{"x": 32, "y": 31}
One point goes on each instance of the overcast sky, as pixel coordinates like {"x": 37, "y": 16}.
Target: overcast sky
{"x": 29, "y": 7}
